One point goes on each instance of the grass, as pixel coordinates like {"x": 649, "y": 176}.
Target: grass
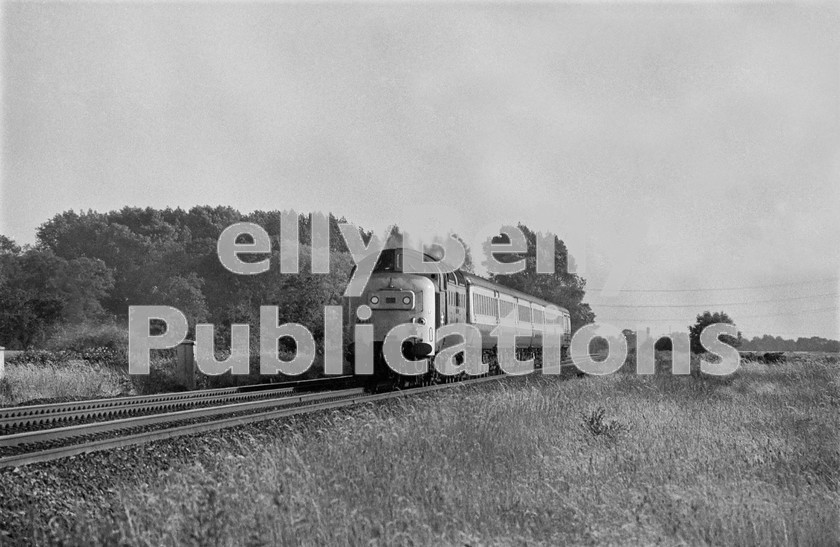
{"x": 60, "y": 381}
{"x": 751, "y": 459}
{"x": 65, "y": 375}
{"x": 54, "y": 376}
{"x": 89, "y": 361}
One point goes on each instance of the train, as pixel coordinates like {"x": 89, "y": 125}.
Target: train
{"x": 443, "y": 296}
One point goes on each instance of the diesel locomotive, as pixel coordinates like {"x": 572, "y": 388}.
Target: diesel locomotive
{"x": 437, "y": 297}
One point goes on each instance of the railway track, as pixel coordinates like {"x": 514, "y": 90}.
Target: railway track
{"x": 42, "y": 445}
{"x": 27, "y": 418}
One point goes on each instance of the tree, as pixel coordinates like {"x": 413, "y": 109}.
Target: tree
{"x": 437, "y": 250}
{"x": 184, "y": 293}
{"x": 663, "y": 343}
{"x": 704, "y": 320}
{"x": 396, "y": 238}
{"x": 630, "y": 336}
{"x": 777, "y": 343}
{"x": 8, "y": 246}
{"x": 39, "y": 290}
{"x": 83, "y": 283}
{"x": 468, "y": 261}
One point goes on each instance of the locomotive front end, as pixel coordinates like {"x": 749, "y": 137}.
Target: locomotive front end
{"x": 402, "y": 298}
{"x": 392, "y": 298}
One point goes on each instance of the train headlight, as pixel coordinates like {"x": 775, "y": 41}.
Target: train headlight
{"x": 406, "y": 300}
{"x": 364, "y": 312}
{"x": 421, "y": 320}
{"x": 374, "y": 299}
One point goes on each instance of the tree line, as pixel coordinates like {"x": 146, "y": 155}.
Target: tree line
{"x": 777, "y": 343}
{"x": 86, "y": 268}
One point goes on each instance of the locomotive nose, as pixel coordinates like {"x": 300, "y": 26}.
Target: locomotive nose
{"x": 386, "y": 299}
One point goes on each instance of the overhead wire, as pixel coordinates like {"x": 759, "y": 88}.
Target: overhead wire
{"x": 701, "y": 304}
{"x": 710, "y": 289}
{"x": 795, "y": 312}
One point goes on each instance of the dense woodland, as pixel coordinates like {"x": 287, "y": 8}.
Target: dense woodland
{"x": 87, "y": 268}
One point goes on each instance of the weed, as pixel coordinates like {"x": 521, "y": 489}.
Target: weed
{"x": 595, "y": 424}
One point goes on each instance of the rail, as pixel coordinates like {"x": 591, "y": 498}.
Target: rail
{"x": 15, "y": 418}
{"x": 40, "y": 446}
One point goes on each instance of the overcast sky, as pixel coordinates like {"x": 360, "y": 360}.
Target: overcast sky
{"x": 672, "y": 147}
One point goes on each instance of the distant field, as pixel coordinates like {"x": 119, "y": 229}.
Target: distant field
{"x": 752, "y": 459}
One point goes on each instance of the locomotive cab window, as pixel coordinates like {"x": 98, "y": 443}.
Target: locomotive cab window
{"x": 389, "y": 261}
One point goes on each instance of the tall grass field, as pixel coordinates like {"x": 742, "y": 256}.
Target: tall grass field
{"x": 749, "y": 459}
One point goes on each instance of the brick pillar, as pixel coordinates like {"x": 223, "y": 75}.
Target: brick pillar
{"x": 186, "y": 363}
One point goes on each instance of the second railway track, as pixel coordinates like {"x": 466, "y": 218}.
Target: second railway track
{"x": 22, "y": 419}
{"x": 43, "y": 445}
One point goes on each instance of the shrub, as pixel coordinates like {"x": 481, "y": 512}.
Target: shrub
{"x": 595, "y": 424}
{"x": 162, "y": 377}
{"x": 85, "y": 336}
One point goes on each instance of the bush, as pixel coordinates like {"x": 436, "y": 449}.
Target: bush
{"x": 595, "y": 424}
{"x": 254, "y": 376}
{"x": 163, "y": 374}
{"x": 704, "y": 320}
{"x": 83, "y": 337}
{"x": 664, "y": 344}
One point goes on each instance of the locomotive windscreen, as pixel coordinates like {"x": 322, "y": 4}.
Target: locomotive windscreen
{"x": 390, "y": 260}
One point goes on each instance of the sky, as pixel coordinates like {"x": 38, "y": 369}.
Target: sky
{"x": 688, "y": 154}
